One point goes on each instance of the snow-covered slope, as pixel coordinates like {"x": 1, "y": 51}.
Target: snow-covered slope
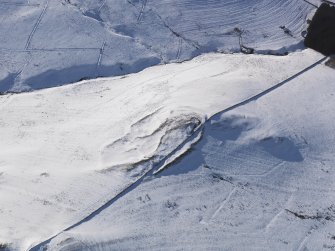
{"x": 46, "y": 43}
{"x": 225, "y": 151}
{"x": 261, "y": 178}
{"x": 66, "y": 151}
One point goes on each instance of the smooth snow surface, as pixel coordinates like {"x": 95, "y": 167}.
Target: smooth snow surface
{"x": 66, "y": 151}
{"x": 46, "y": 43}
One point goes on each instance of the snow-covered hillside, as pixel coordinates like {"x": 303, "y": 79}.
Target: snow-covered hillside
{"x": 225, "y": 151}
{"x": 67, "y": 151}
{"x": 260, "y": 178}
{"x": 46, "y": 43}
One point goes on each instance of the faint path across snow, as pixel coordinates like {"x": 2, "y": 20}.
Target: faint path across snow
{"x": 224, "y": 202}
{"x": 20, "y": 4}
{"x": 144, "y": 4}
{"x": 100, "y": 57}
{"x": 37, "y": 24}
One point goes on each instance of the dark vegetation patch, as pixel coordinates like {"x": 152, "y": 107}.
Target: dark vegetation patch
{"x": 3, "y": 246}
{"x": 328, "y": 214}
{"x": 321, "y": 32}
{"x": 171, "y": 205}
{"x": 305, "y": 216}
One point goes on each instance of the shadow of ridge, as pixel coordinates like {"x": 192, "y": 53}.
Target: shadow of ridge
{"x": 282, "y": 148}
{"x": 7, "y": 83}
{"x": 223, "y": 130}
{"x": 54, "y": 78}
{"x": 216, "y": 137}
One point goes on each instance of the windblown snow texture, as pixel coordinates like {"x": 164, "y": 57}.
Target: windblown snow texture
{"x": 63, "y": 158}
{"x": 222, "y": 152}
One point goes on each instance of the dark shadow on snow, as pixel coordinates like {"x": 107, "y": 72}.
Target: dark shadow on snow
{"x": 8, "y": 82}
{"x": 53, "y": 78}
{"x": 225, "y": 133}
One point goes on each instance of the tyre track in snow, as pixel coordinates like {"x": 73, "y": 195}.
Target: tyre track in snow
{"x": 5, "y": 100}
{"x": 180, "y": 45}
{"x": 144, "y": 4}
{"x": 37, "y": 24}
{"x": 150, "y": 173}
{"x": 306, "y": 1}
{"x": 223, "y": 203}
{"x": 102, "y": 5}
{"x": 101, "y": 53}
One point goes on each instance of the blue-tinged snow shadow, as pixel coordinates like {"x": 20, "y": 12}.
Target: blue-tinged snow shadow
{"x": 221, "y": 144}
{"x": 58, "y": 77}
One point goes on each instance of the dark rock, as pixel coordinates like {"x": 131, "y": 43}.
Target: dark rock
{"x": 321, "y": 32}
{"x": 331, "y": 62}
{"x": 247, "y": 50}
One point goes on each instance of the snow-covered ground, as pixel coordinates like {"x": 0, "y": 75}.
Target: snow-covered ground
{"x": 260, "y": 178}
{"x": 221, "y": 152}
{"x": 46, "y": 43}
{"x": 67, "y": 151}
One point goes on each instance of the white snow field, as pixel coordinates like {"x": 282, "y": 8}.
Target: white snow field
{"x": 213, "y": 151}
{"x": 46, "y": 43}
{"x": 94, "y": 165}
